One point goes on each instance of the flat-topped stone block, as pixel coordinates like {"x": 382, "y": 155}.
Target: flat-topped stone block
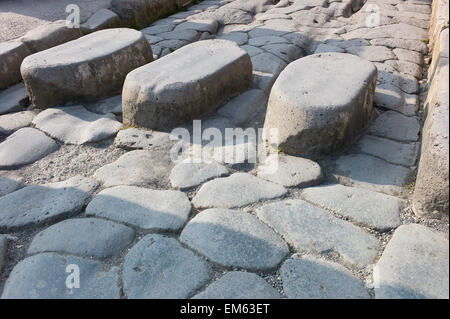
{"x": 90, "y": 68}
{"x": 321, "y": 103}
{"x": 185, "y": 84}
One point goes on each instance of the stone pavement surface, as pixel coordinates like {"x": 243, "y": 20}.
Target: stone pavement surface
{"x": 144, "y": 224}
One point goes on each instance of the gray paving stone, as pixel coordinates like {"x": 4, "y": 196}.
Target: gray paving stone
{"x": 88, "y": 237}
{"x": 134, "y": 138}
{"x": 9, "y": 123}
{"x": 375, "y": 210}
{"x": 102, "y": 19}
{"x": 147, "y": 209}
{"x": 187, "y": 175}
{"x": 251, "y": 50}
{"x": 3, "y": 251}
{"x": 25, "y": 146}
{"x": 44, "y": 276}
{"x": 285, "y": 51}
{"x": 388, "y": 74}
{"x": 307, "y": 277}
{"x": 312, "y": 229}
{"x": 153, "y": 40}
{"x": 414, "y": 265}
{"x": 243, "y": 107}
{"x": 372, "y": 53}
{"x": 240, "y": 189}
{"x": 405, "y": 67}
{"x": 398, "y": 31}
{"x": 38, "y": 204}
{"x": 226, "y": 16}
{"x": 240, "y": 38}
{"x": 185, "y": 35}
{"x": 323, "y": 48}
{"x": 207, "y": 25}
{"x": 393, "y": 98}
{"x": 156, "y": 29}
{"x": 233, "y": 238}
{"x": 239, "y": 285}
{"x": 396, "y": 126}
{"x": 109, "y": 105}
{"x": 415, "y": 45}
{"x": 158, "y": 267}
{"x": 409, "y": 56}
{"x": 268, "y": 63}
{"x": 260, "y": 41}
{"x": 13, "y": 99}
{"x": 9, "y": 185}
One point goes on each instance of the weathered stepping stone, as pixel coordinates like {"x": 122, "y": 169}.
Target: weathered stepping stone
{"x": 240, "y": 189}
{"x": 136, "y": 168}
{"x": 38, "y": 204}
{"x": 186, "y": 175}
{"x": 9, "y": 123}
{"x": 312, "y": 229}
{"x": 9, "y": 185}
{"x": 3, "y": 251}
{"x": 185, "y": 84}
{"x": 144, "y": 208}
{"x": 102, "y": 19}
{"x": 109, "y": 105}
{"x": 394, "y": 152}
{"x": 88, "y": 69}
{"x": 13, "y": 99}
{"x": 396, "y": 126}
{"x": 413, "y": 265}
{"x": 88, "y": 237}
{"x": 134, "y": 138}
{"x": 373, "y": 209}
{"x": 12, "y": 54}
{"x": 233, "y": 238}
{"x": 239, "y": 285}
{"x": 158, "y": 267}
{"x": 319, "y": 124}
{"x": 25, "y": 146}
{"x": 372, "y": 173}
{"x": 307, "y": 277}
{"x": 290, "y": 171}
{"x": 44, "y": 276}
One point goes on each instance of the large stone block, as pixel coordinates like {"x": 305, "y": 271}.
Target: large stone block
{"x": 185, "y": 84}
{"x": 12, "y": 54}
{"x": 320, "y": 104}
{"x": 87, "y": 69}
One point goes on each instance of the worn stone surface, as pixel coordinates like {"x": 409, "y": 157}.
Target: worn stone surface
{"x": 396, "y": 126}
{"x": 187, "y": 175}
{"x": 159, "y": 267}
{"x": 233, "y": 238}
{"x": 134, "y": 138}
{"x": 206, "y": 25}
{"x": 241, "y": 108}
{"x": 102, "y": 19}
{"x": 76, "y": 125}
{"x": 239, "y": 285}
{"x": 240, "y": 38}
{"x": 312, "y": 229}
{"x": 9, "y": 185}
{"x": 13, "y": 99}
{"x": 144, "y": 208}
{"x": 372, "y": 53}
{"x": 414, "y": 265}
{"x": 12, "y": 54}
{"x": 38, "y": 204}
{"x": 392, "y": 97}
{"x": 9, "y": 123}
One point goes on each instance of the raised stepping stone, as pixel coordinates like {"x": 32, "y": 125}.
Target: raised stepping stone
{"x": 88, "y": 69}
{"x": 234, "y": 239}
{"x": 240, "y": 189}
{"x": 319, "y": 124}
{"x": 372, "y": 53}
{"x": 9, "y": 185}
{"x": 241, "y": 108}
{"x": 102, "y": 19}
{"x": 13, "y": 99}
{"x": 12, "y": 54}
{"x": 185, "y": 84}
{"x": 134, "y": 138}
{"x": 158, "y": 267}
{"x": 389, "y": 150}
{"x": 144, "y": 208}
{"x": 76, "y": 125}
{"x": 239, "y": 285}
{"x": 88, "y": 237}
{"x": 3, "y": 251}
{"x": 39, "y": 204}
{"x": 136, "y": 168}
{"x": 290, "y": 171}
{"x": 372, "y": 209}
{"x": 396, "y": 126}
{"x": 44, "y": 276}
{"x": 308, "y": 277}
{"x": 9, "y": 123}
{"x": 372, "y": 173}
{"x": 25, "y": 146}
{"x": 187, "y": 175}
{"x": 206, "y": 25}
{"x": 109, "y": 105}
{"x": 312, "y": 229}
{"x": 413, "y": 265}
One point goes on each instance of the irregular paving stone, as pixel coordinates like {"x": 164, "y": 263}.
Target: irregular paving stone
{"x": 136, "y": 168}
{"x": 409, "y": 56}
{"x": 89, "y": 237}
{"x": 153, "y": 40}
{"x": 320, "y": 124}
{"x": 157, "y": 29}
{"x": 9, "y": 185}
{"x": 268, "y": 63}
{"x": 187, "y": 175}
{"x": 243, "y": 107}
{"x": 3, "y": 251}
{"x": 285, "y": 51}
{"x": 240, "y": 189}
{"x": 397, "y": 31}
{"x": 239, "y": 285}
{"x": 405, "y": 67}
{"x": 158, "y": 267}
{"x": 25, "y": 146}
{"x": 12, "y": 54}
{"x": 393, "y": 98}
{"x": 251, "y": 50}
{"x": 312, "y": 229}
{"x": 226, "y": 16}
{"x": 396, "y": 126}
{"x": 38, "y": 204}
{"x": 307, "y": 277}
{"x": 87, "y": 69}
{"x": 290, "y": 171}
{"x": 373, "y": 209}
{"x": 217, "y": 68}
{"x": 13, "y": 99}
{"x": 207, "y": 25}
{"x": 415, "y": 45}
{"x": 44, "y": 276}
{"x": 168, "y": 46}
{"x": 102, "y": 19}
{"x": 413, "y": 265}
{"x": 234, "y": 239}
{"x": 388, "y": 75}
{"x": 372, "y": 53}
{"x": 185, "y": 35}
{"x": 109, "y": 105}
{"x": 144, "y": 208}
{"x": 134, "y": 138}
{"x": 9, "y": 123}
{"x": 239, "y": 38}
{"x": 389, "y": 150}
{"x": 76, "y": 125}
{"x": 323, "y": 48}
{"x": 260, "y": 41}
